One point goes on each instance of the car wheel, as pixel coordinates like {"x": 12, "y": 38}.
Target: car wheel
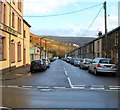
{"x": 89, "y": 71}
{"x": 95, "y": 72}
{"x": 114, "y": 74}
{"x": 31, "y": 71}
{"x": 81, "y": 67}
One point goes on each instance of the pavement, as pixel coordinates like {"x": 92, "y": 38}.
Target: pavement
{"x": 15, "y": 74}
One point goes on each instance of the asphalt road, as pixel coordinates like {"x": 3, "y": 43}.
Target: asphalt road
{"x": 61, "y": 86}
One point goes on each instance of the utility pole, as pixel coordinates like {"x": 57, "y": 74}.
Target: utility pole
{"x": 106, "y": 43}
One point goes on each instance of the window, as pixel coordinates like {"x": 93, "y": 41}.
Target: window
{"x": 13, "y": 1}
{"x": 19, "y": 25}
{"x": 19, "y": 5}
{"x": 0, "y": 10}
{"x": 4, "y": 14}
{"x": 24, "y": 34}
{"x": 12, "y": 51}
{"x": 13, "y": 19}
{"x": 98, "y": 46}
{"x": 19, "y": 52}
{"x": 116, "y": 39}
{"x": 2, "y": 48}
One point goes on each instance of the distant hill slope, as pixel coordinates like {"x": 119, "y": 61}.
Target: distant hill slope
{"x": 73, "y": 40}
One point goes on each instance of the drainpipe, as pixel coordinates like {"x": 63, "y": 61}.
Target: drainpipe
{"x": 10, "y": 38}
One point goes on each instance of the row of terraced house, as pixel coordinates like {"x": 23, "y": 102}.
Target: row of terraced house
{"x": 100, "y": 47}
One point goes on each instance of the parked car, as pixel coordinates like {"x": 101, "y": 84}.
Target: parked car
{"x": 77, "y": 61}
{"x": 103, "y": 65}
{"x": 38, "y": 65}
{"x": 85, "y": 63}
{"x": 47, "y": 61}
{"x": 68, "y": 59}
{"x": 52, "y": 59}
{"x": 72, "y": 60}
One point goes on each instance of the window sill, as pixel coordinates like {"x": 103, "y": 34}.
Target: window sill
{"x": 13, "y": 62}
{"x": 19, "y": 60}
{"x": 3, "y": 59}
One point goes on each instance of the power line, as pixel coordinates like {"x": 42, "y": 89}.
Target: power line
{"x": 92, "y": 22}
{"x": 67, "y": 13}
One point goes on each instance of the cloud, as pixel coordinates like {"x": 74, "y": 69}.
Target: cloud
{"x": 45, "y": 6}
{"x": 66, "y": 28}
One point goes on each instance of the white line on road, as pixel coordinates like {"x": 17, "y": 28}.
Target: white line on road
{"x": 78, "y": 87}
{"x": 59, "y": 87}
{"x": 68, "y": 78}
{"x": 97, "y": 88}
{"x": 114, "y": 88}
{"x": 65, "y": 72}
{"x": 5, "y": 108}
{"x": 27, "y": 86}
{"x": 45, "y": 90}
{"x": 15, "y": 86}
{"x": 2, "y": 86}
{"x": 97, "y": 85}
{"x": 45, "y": 87}
{"x": 70, "y": 82}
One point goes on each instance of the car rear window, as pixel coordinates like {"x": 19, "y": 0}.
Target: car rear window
{"x": 106, "y": 61}
{"x": 36, "y": 61}
{"x": 88, "y": 60}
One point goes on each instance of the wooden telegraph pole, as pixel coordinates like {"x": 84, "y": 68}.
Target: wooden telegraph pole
{"x": 106, "y": 43}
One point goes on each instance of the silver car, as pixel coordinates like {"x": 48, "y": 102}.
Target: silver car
{"x": 77, "y": 61}
{"x": 47, "y": 61}
{"x": 102, "y": 65}
{"x": 85, "y": 63}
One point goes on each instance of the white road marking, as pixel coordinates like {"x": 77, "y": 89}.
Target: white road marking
{"x": 45, "y": 87}
{"x": 27, "y": 86}
{"x": 114, "y": 88}
{"x": 97, "y": 85}
{"x": 45, "y": 90}
{"x": 78, "y": 87}
{"x": 14, "y": 86}
{"x": 2, "y": 86}
{"x": 111, "y": 87}
{"x": 70, "y": 82}
{"x": 65, "y": 72}
{"x": 59, "y": 87}
{"x": 95, "y": 88}
{"x": 5, "y": 108}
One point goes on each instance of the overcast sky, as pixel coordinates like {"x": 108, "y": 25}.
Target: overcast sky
{"x": 74, "y": 24}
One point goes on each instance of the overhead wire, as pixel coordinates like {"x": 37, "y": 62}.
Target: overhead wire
{"x": 67, "y": 13}
{"x": 92, "y": 22}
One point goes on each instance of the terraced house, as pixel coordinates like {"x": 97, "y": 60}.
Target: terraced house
{"x": 100, "y": 47}
{"x": 14, "y": 36}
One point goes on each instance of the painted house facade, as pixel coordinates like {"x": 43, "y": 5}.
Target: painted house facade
{"x": 13, "y": 45}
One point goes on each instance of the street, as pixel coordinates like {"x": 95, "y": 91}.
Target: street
{"x": 61, "y": 86}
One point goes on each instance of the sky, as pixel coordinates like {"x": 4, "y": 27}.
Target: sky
{"x": 86, "y": 20}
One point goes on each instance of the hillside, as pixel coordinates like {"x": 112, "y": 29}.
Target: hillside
{"x": 73, "y": 40}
